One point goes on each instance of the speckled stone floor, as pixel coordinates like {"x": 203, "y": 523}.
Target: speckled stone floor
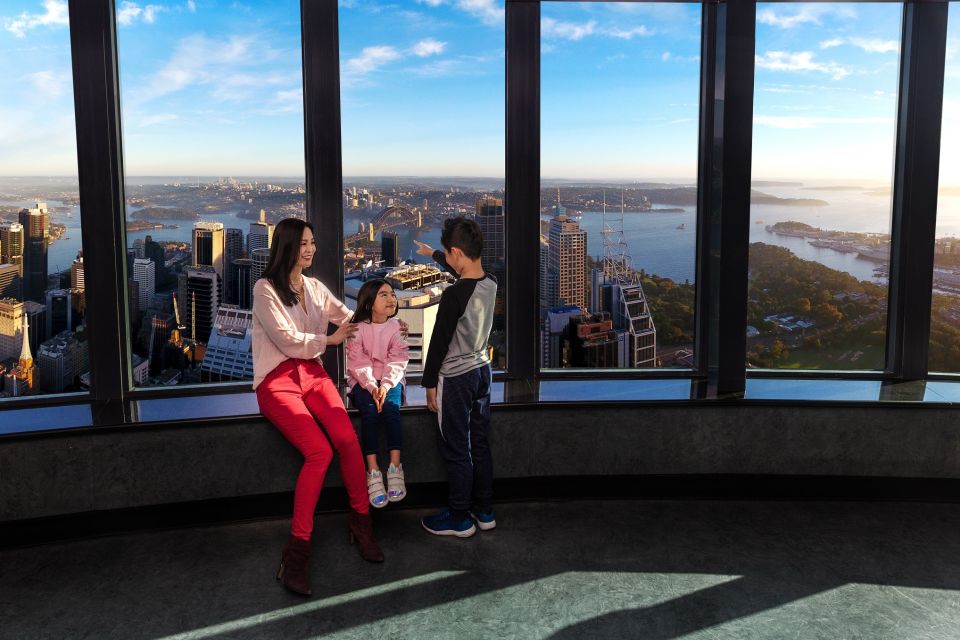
{"x": 578, "y": 569}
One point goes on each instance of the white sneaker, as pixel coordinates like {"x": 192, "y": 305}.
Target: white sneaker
{"x": 396, "y": 488}
{"x": 378, "y": 497}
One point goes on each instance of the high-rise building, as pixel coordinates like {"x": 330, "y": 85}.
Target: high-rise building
{"x": 199, "y": 300}
{"x": 260, "y": 258}
{"x": 229, "y": 353}
{"x": 390, "y": 248}
{"x": 61, "y": 360}
{"x": 233, "y": 240}
{"x": 209, "y": 246}
{"x": 59, "y": 311}
{"x": 21, "y": 380}
{"x": 76, "y": 273}
{"x": 241, "y": 278}
{"x": 260, "y": 235}
{"x": 36, "y": 230}
{"x": 10, "y": 282}
{"x": 553, "y": 334}
{"x": 144, "y": 274}
{"x": 154, "y": 251}
{"x": 566, "y": 261}
{"x": 489, "y": 215}
{"x": 11, "y": 244}
{"x": 593, "y": 342}
{"x": 11, "y": 327}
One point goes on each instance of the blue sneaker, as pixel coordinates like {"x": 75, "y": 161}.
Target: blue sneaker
{"x": 444, "y": 524}
{"x": 484, "y": 519}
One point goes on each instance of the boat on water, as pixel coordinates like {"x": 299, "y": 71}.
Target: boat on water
{"x": 681, "y": 226}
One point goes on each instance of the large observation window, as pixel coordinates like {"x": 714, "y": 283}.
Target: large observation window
{"x": 43, "y": 338}
{"x": 620, "y": 87}
{"x": 212, "y": 98}
{"x": 823, "y": 142}
{"x": 422, "y": 104}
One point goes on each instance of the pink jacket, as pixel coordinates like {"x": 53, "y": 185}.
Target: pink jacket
{"x": 378, "y": 352}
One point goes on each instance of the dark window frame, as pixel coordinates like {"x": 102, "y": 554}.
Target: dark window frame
{"x": 726, "y": 120}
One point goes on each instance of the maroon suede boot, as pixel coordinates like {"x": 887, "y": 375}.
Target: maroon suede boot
{"x": 294, "y": 569}
{"x": 361, "y": 533}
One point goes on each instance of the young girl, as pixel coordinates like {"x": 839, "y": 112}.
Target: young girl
{"x": 376, "y": 363}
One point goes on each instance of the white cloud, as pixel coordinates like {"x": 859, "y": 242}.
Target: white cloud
{"x": 55, "y": 14}
{"x": 438, "y": 68}
{"x": 428, "y": 47}
{"x": 191, "y": 6}
{"x": 159, "y": 118}
{"x": 799, "y": 61}
{"x": 870, "y": 45}
{"x": 665, "y": 56}
{"x": 682, "y": 120}
{"x": 813, "y": 122}
{"x": 49, "y": 83}
{"x": 370, "y": 59}
{"x": 628, "y": 34}
{"x": 550, "y": 28}
{"x": 786, "y": 20}
{"x": 130, "y": 12}
{"x": 489, "y": 11}
{"x": 432, "y": 3}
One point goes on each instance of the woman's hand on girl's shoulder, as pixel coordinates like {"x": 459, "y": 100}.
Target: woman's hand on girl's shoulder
{"x": 404, "y": 328}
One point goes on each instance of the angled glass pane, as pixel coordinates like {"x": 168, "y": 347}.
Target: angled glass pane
{"x": 945, "y": 314}
{"x": 43, "y": 344}
{"x": 212, "y": 103}
{"x": 620, "y": 85}
{"x": 823, "y": 143}
{"x": 422, "y": 104}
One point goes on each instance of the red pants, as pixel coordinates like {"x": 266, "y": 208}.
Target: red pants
{"x": 295, "y": 397}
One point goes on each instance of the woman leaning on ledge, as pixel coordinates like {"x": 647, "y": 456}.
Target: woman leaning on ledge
{"x": 291, "y": 313}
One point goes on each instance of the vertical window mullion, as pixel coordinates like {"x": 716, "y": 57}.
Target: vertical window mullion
{"x": 916, "y": 173}
{"x": 324, "y": 173}
{"x": 522, "y": 198}
{"x": 100, "y": 166}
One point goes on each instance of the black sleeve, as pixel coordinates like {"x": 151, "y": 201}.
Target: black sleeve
{"x": 438, "y": 257}
{"x": 453, "y": 303}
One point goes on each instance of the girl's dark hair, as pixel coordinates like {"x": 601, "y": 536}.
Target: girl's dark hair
{"x": 366, "y": 297}
{"x": 284, "y": 254}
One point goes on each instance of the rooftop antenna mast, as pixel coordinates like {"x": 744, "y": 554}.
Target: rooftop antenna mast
{"x": 617, "y": 264}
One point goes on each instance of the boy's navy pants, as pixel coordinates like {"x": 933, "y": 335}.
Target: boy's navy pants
{"x": 463, "y": 404}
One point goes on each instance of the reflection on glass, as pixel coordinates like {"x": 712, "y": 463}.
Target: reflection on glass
{"x": 834, "y": 390}
{"x": 422, "y": 91}
{"x": 613, "y": 390}
{"x": 43, "y": 344}
{"x": 46, "y": 418}
{"x": 213, "y": 148}
{"x": 209, "y": 406}
{"x": 945, "y": 314}
{"x": 824, "y": 109}
{"x": 619, "y": 103}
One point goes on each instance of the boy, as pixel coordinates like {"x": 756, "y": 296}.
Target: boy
{"x": 457, "y": 379}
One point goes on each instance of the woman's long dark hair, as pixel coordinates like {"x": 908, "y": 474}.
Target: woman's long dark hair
{"x": 366, "y": 297}
{"x": 284, "y": 254}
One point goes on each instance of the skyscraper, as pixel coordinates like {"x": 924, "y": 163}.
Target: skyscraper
{"x": 390, "y": 249}
{"x": 260, "y": 259}
{"x": 144, "y": 274}
{"x": 234, "y": 251}
{"x": 209, "y": 246}
{"x": 11, "y": 244}
{"x": 261, "y": 234}
{"x": 10, "y": 285}
{"x": 566, "y": 261}
{"x": 229, "y": 353}
{"x": 154, "y": 251}
{"x": 76, "y": 273}
{"x": 489, "y": 215}
{"x": 199, "y": 300}
{"x": 61, "y": 360}
{"x": 59, "y": 311}
{"x": 11, "y": 327}
{"x": 241, "y": 278}
{"x": 36, "y": 229}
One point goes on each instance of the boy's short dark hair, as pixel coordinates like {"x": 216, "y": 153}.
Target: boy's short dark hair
{"x": 463, "y": 234}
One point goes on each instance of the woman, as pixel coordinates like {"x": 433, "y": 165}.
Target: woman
{"x": 291, "y": 313}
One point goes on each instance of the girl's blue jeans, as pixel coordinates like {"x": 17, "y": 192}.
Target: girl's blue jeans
{"x": 370, "y": 420}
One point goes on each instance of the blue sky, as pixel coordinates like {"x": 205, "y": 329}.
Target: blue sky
{"x": 213, "y": 87}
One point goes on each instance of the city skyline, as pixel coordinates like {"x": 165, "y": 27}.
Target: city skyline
{"x": 423, "y": 84}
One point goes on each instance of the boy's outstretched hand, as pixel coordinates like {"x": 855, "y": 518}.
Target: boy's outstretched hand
{"x": 432, "y": 399}
{"x": 423, "y": 249}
